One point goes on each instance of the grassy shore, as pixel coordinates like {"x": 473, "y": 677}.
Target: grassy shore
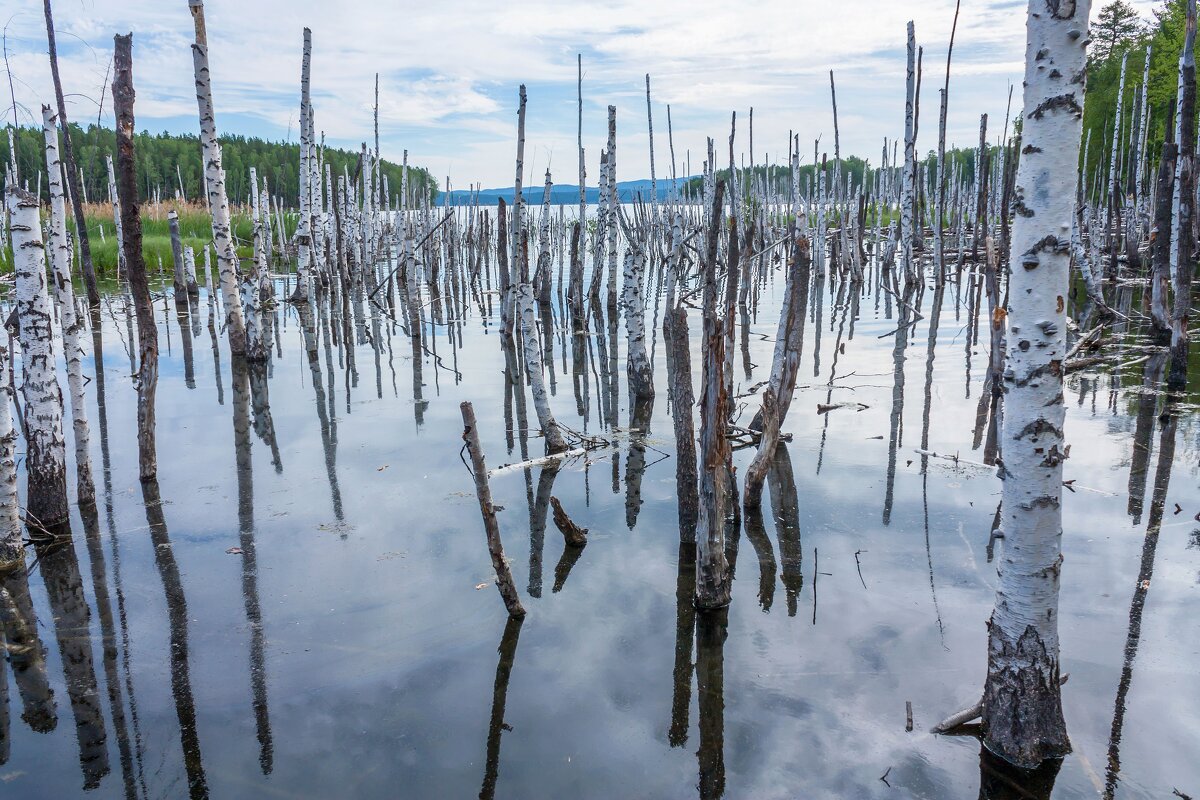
{"x": 195, "y": 229}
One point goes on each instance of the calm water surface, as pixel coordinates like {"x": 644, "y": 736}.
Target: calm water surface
{"x": 354, "y": 646}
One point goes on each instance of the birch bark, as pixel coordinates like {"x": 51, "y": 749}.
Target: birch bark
{"x": 303, "y": 228}
{"x": 12, "y": 553}
{"x": 214, "y": 180}
{"x": 45, "y": 448}
{"x": 1022, "y": 706}
{"x": 64, "y": 299}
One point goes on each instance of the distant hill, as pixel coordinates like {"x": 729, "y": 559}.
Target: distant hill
{"x": 627, "y": 192}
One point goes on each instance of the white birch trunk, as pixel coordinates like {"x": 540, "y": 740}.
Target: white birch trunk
{"x": 262, "y": 273}
{"x": 116, "y": 207}
{"x": 303, "y": 228}
{"x": 533, "y": 363}
{"x": 910, "y": 160}
{"x": 214, "y": 180}
{"x": 11, "y": 552}
{"x": 613, "y": 207}
{"x": 64, "y": 298}
{"x": 45, "y": 448}
{"x": 1022, "y": 708}
{"x": 641, "y": 376}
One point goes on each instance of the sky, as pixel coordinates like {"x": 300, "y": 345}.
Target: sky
{"x": 449, "y": 74}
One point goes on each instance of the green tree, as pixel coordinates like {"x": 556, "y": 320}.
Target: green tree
{"x": 1118, "y": 27}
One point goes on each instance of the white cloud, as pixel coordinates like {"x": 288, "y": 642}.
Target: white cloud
{"x": 449, "y": 72}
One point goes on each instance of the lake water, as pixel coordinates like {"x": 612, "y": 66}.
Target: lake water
{"x": 354, "y": 644}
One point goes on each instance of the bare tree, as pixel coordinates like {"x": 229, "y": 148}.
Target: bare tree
{"x": 1022, "y": 703}
{"x": 135, "y": 261}
{"x": 85, "y": 246}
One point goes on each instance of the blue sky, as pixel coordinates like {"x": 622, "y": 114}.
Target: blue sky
{"x": 449, "y": 73}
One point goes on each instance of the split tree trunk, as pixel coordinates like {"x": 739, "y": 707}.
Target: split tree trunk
{"x": 679, "y": 387}
{"x": 713, "y": 581}
{"x": 1022, "y": 702}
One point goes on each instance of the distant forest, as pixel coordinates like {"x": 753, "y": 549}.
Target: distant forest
{"x": 158, "y": 156}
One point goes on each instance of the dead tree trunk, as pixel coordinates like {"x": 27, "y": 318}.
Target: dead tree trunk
{"x": 45, "y": 447}
{"x": 218, "y": 200}
{"x": 1185, "y": 209}
{"x": 679, "y": 387}
{"x": 12, "y": 554}
{"x": 777, "y": 395}
{"x": 71, "y": 325}
{"x": 712, "y": 569}
{"x": 504, "y": 581}
{"x": 1022, "y": 702}
{"x": 131, "y": 224}
{"x": 85, "y": 246}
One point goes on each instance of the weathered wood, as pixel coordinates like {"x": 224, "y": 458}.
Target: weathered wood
{"x": 147, "y": 377}
{"x": 504, "y": 580}
{"x": 679, "y": 387}
{"x": 756, "y": 473}
{"x": 713, "y": 581}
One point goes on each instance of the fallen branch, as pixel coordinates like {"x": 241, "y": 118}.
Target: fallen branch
{"x": 1084, "y": 339}
{"x": 825, "y": 408}
{"x": 536, "y": 462}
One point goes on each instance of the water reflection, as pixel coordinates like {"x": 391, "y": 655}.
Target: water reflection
{"x": 711, "y": 630}
{"x": 496, "y": 727}
{"x": 95, "y": 549}
{"x": 685, "y": 624}
{"x": 1141, "y": 588}
{"x": 24, "y": 653}
{"x": 1000, "y": 780}
{"x": 366, "y": 659}
{"x": 72, "y": 621}
{"x": 177, "y": 619}
{"x": 785, "y": 507}
{"x": 249, "y": 555}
